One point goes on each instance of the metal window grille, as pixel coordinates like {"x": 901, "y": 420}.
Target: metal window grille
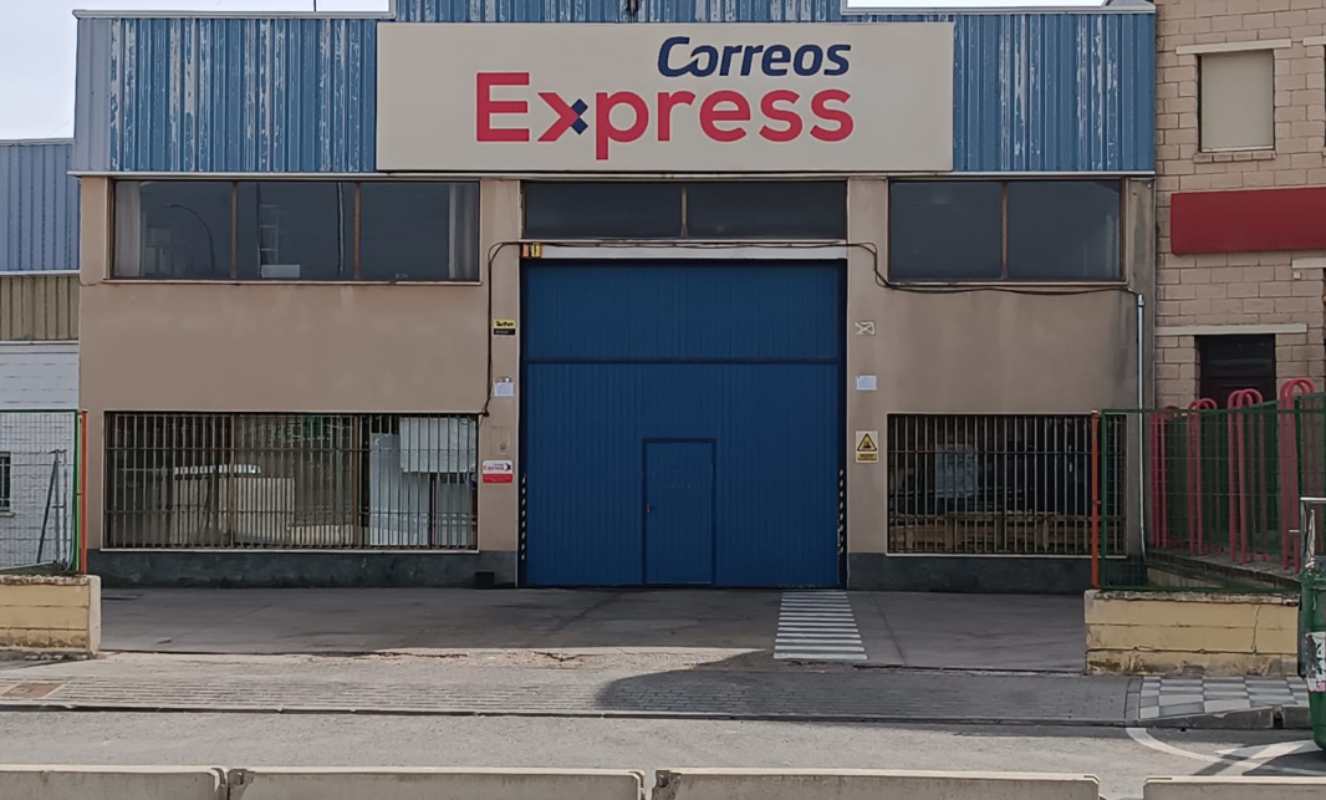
{"x": 987, "y": 484}
{"x": 291, "y": 481}
{"x": 38, "y": 520}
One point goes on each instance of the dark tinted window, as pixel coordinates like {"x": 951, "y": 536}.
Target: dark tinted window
{"x": 172, "y": 229}
{"x": 1236, "y": 362}
{"x": 603, "y": 210}
{"x": 1063, "y": 230}
{"x": 945, "y": 230}
{"x": 296, "y": 230}
{"x": 801, "y": 210}
{"x": 420, "y": 231}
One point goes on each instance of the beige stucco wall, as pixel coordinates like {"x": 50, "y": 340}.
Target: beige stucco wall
{"x": 50, "y": 614}
{"x": 181, "y": 346}
{"x": 977, "y": 351}
{"x": 1181, "y": 631}
{"x": 421, "y": 348}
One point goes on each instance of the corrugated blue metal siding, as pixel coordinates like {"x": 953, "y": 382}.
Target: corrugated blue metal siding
{"x": 1054, "y": 92}
{"x": 747, "y": 358}
{"x": 228, "y": 95}
{"x": 1032, "y": 92}
{"x": 38, "y": 207}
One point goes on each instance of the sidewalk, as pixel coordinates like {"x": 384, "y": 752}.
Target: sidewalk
{"x": 605, "y": 683}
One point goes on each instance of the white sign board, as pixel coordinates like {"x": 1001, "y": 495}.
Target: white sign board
{"x": 679, "y": 98}
{"x": 498, "y": 471}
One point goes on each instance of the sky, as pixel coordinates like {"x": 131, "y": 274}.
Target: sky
{"x": 37, "y": 39}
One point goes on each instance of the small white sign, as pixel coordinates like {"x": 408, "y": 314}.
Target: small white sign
{"x": 498, "y": 471}
{"x": 504, "y": 387}
{"x": 865, "y": 328}
{"x": 866, "y": 383}
{"x": 1315, "y": 647}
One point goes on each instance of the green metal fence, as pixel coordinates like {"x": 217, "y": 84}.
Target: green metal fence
{"x": 1220, "y": 487}
{"x": 40, "y": 470}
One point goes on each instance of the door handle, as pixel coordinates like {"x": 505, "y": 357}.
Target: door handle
{"x": 648, "y": 508}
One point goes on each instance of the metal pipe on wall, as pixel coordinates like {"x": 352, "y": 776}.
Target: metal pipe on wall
{"x": 1141, "y": 429}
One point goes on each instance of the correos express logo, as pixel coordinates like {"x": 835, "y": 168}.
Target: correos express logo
{"x": 723, "y": 114}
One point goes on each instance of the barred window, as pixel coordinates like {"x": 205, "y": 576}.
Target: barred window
{"x": 290, "y": 481}
{"x": 994, "y": 484}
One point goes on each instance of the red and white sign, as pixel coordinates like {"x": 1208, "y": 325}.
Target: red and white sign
{"x": 498, "y": 471}
{"x": 713, "y": 98}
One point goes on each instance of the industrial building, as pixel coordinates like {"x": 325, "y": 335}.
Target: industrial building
{"x": 776, "y": 295}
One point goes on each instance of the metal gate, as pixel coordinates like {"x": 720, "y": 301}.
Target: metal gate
{"x": 682, "y": 423}
{"x": 38, "y": 490}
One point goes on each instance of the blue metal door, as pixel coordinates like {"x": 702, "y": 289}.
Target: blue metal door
{"x": 746, "y": 356}
{"x": 679, "y": 512}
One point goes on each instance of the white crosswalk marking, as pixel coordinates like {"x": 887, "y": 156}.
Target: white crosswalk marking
{"x": 817, "y": 626}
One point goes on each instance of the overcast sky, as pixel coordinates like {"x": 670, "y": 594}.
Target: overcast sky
{"x": 37, "y": 54}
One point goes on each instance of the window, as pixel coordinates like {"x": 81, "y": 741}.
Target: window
{"x": 699, "y": 210}
{"x": 410, "y": 231}
{"x": 776, "y": 210}
{"x": 291, "y": 481}
{"x": 297, "y": 230}
{"x": 1237, "y": 100}
{"x": 923, "y": 217}
{"x": 603, "y": 210}
{"x": 6, "y": 485}
{"x": 1228, "y": 363}
{"x": 1030, "y": 230}
{"x": 172, "y": 229}
{"x": 1063, "y": 230}
{"x": 1000, "y": 484}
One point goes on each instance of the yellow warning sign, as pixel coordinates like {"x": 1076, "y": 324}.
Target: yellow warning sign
{"x": 867, "y": 447}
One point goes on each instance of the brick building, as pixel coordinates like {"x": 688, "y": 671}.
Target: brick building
{"x": 1241, "y": 195}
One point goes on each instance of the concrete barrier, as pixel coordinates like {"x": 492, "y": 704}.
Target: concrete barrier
{"x": 848, "y": 784}
{"x": 50, "y": 614}
{"x": 1234, "y": 789}
{"x": 111, "y": 783}
{"x": 1192, "y": 631}
{"x": 432, "y": 784}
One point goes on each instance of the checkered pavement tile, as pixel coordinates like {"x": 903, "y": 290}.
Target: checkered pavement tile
{"x": 1161, "y": 697}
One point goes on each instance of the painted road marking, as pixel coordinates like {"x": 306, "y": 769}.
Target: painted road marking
{"x": 817, "y": 626}
{"x": 1231, "y": 762}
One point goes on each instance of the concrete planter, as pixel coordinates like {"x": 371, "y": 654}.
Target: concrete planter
{"x": 1207, "y": 633}
{"x": 50, "y": 614}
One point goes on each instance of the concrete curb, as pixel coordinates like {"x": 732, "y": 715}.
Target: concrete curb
{"x": 407, "y": 711}
{"x": 1249, "y": 720}
{"x": 1294, "y": 718}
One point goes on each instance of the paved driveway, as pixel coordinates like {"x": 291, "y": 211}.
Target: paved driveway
{"x": 1004, "y": 632}
{"x": 368, "y": 620}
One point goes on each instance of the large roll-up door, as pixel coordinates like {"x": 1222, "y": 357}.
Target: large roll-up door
{"x": 682, "y": 423}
